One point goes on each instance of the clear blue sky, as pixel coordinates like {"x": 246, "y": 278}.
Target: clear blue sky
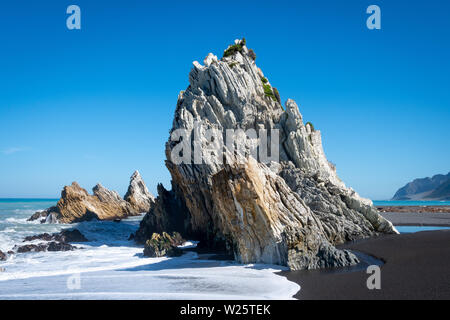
{"x": 95, "y": 104}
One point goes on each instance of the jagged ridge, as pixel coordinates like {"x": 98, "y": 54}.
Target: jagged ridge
{"x": 76, "y": 204}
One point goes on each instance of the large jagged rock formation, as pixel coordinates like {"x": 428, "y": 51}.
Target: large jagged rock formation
{"x": 289, "y": 211}
{"x": 76, "y": 204}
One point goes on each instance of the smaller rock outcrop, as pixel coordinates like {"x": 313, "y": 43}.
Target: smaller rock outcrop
{"x": 161, "y": 245}
{"x": 50, "y": 246}
{"x": 53, "y": 242}
{"x": 3, "y": 256}
{"x": 77, "y": 205}
{"x": 65, "y": 236}
{"x": 138, "y": 195}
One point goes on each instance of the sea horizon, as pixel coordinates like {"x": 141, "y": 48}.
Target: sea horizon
{"x": 375, "y": 202}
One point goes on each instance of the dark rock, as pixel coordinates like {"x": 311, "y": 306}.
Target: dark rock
{"x": 63, "y": 236}
{"x": 44, "y": 236}
{"x": 131, "y": 237}
{"x": 31, "y": 248}
{"x": 60, "y": 246}
{"x": 2, "y": 256}
{"x": 42, "y": 247}
{"x": 177, "y": 239}
{"x": 70, "y": 236}
{"x": 52, "y": 211}
{"x": 162, "y": 245}
{"x": 167, "y": 214}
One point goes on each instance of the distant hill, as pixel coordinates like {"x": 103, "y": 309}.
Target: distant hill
{"x": 435, "y": 188}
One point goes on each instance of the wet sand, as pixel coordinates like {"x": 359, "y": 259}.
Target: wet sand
{"x": 417, "y": 266}
{"x": 416, "y": 209}
{"x": 418, "y": 219}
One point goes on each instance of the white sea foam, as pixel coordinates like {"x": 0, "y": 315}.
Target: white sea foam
{"x": 111, "y": 267}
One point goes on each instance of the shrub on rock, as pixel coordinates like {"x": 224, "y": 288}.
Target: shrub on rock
{"x": 163, "y": 245}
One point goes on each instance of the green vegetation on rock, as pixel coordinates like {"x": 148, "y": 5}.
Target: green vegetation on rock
{"x": 268, "y": 91}
{"x": 232, "y": 50}
{"x": 163, "y": 245}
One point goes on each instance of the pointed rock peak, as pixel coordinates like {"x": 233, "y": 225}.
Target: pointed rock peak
{"x": 136, "y": 175}
{"x": 74, "y": 190}
{"x": 239, "y": 46}
{"x": 210, "y": 59}
{"x": 98, "y": 186}
{"x": 75, "y": 185}
{"x": 138, "y": 195}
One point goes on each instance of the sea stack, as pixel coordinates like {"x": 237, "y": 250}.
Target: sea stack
{"x": 290, "y": 211}
{"x": 138, "y": 195}
{"x": 77, "y": 205}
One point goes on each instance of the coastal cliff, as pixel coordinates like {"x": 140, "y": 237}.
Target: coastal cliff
{"x": 434, "y": 188}
{"x": 290, "y": 210}
{"x": 76, "y": 204}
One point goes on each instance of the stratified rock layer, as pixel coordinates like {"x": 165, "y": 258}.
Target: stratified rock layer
{"x": 290, "y": 211}
{"x": 76, "y": 204}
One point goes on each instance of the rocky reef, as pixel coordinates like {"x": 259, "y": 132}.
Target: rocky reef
{"x": 49, "y": 242}
{"x": 65, "y": 236}
{"x": 289, "y": 208}
{"x": 76, "y": 204}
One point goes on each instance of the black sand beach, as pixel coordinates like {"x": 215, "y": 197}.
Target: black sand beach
{"x": 418, "y": 219}
{"x": 417, "y": 266}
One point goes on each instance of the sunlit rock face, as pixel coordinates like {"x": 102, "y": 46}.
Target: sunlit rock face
{"x": 76, "y": 204}
{"x": 289, "y": 210}
{"x": 138, "y": 195}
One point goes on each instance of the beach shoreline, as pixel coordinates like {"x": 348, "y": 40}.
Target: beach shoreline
{"x": 416, "y": 267}
{"x": 415, "y": 209}
{"x": 437, "y": 219}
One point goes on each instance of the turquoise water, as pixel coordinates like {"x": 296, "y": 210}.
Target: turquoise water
{"x": 13, "y": 220}
{"x": 109, "y": 266}
{"x": 413, "y": 229}
{"x": 410, "y": 203}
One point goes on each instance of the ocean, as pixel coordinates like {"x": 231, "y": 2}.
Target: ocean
{"x": 111, "y": 267}
{"x": 410, "y": 203}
